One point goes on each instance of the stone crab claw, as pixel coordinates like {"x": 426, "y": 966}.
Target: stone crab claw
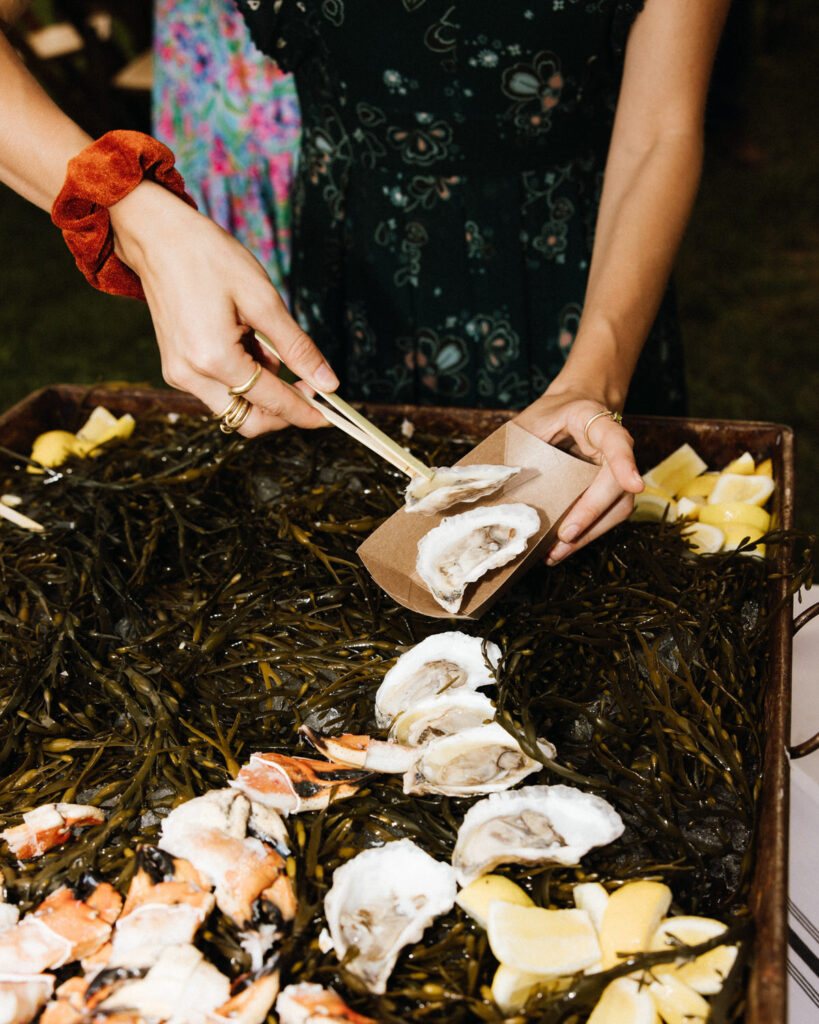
{"x": 292, "y": 785}
{"x": 306, "y": 1002}
{"x": 363, "y": 751}
{"x": 47, "y": 826}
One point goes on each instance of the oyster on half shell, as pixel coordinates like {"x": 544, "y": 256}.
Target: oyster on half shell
{"x": 444, "y": 663}
{"x": 451, "y": 485}
{"x": 532, "y": 825}
{"x": 382, "y": 900}
{"x": 464, "y": 547}
{"x": 480, "y": 760}
{"x": 441, "y": 716}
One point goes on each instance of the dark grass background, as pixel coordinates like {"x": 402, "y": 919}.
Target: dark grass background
{"x": 748, "y": 274}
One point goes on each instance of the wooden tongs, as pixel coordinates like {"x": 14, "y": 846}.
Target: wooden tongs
{"x": 342, "y": 415}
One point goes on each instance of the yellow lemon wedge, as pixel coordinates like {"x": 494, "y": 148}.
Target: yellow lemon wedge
{"x": 675, "y": 471}
{"x": 699, "y": 488}
{"x": 744, "y": 465}
{"x": 625, "y": 1001}
{"x": 120, "y": 429}
{"x": 52, "y": 449}
{"x": 511, "y": 988}
{"x": 688, "y": 509}
{"x": 99, "y": 424}
{"x": 765, "y": 468}
{"x": 739, "y": 533}
{"x": 476, "y": 897}
{"x": 676, "y": 1002}
{"x": 544, "y": 942}
{"x": 593, "y": 898}
{"x": 707, "y": 972}
{"x": 653, "y": 505}
{"x": 703, "y": 538}
{"x": 733, "y": 487}
{"x": 632, "y": 916}
{"x": 724, "y": 512}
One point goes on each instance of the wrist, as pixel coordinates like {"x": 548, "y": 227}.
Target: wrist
{"x": 599, "y": 366}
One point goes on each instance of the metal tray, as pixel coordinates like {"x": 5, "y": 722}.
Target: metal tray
{"x": 718, "y": 441}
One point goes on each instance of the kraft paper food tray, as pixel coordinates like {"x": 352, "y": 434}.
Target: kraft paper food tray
{"x": 550, "y": 481}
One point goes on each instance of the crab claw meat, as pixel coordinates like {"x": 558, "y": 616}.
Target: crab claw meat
{"x": 363, "y": 751}
{"x": 47, "y": 826}
{"x": 292, "y": 785}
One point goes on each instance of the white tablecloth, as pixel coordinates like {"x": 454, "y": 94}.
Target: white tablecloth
{"x": 803, "y": 902}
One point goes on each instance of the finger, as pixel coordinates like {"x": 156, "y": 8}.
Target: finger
{"x": 603, "y": 492}
{"x": 297, "y": 350}
{"x": 613, "y": 442}
{"x": 618, "y": 512}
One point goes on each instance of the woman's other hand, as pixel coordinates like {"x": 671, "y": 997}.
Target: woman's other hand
{"x": 205, "y": 290}
{"x": 561, "y": 417}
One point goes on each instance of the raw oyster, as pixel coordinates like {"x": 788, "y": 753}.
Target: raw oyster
{"x": 443, "y": 663}
{"x": 464, "y": 547}
{"x": 480, "y": 760}
{"x": 533, "y": 825}
{"x": 450, "y": 485}
{"x": 441, "y": 716}
{"x": 380, "y": 901}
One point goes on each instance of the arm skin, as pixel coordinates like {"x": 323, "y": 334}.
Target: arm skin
{"x": 651, "y": 179}
{"x": 203, "y": 287}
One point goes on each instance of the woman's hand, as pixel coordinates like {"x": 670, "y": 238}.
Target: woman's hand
{"x": 205, "y": 290}
{"x": 560, "y": 417}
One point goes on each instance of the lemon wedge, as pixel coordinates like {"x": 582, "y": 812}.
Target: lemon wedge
{"x": 52, "y": 449}
{"x": 511, "y": 988}
{"x": 744, "y": 465}
{"x": 688, "y": 509}
{"x": 765, "y": 468}
{"x": 699, "y": 488}
{"x": 544, "y": 942}
{"x": 653, "y": 505}
{"x": 593, "y": 898}
{"x": 739, "y": 533}
{"x": 675, "y": 471}
{"x": 733, "y": 487}
{"x": 707, "y": 972}
{"x": 676, "y": 1002}
{"x": 99, "y": 424}
{"x": 120, "y": 429}
{"x": 704, "y": 538}
{"x": 725, "y": 512}
{"x": 632, "y": 916}
{"x": 625, "y": 1001}
{"x": 476, "y": 897}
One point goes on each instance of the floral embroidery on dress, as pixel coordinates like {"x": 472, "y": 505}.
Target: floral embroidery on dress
{"x": 536, "y": 88}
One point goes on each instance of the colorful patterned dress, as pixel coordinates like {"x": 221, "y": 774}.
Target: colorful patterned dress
{"x": 449, "y": 179}
{"x": 231, "y": 118}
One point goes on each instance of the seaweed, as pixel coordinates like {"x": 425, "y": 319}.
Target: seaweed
{"x": 192, "y": 601}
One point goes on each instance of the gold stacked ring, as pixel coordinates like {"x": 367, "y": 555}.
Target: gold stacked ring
{"x": 234, "y": 414}
{"x": 606, "y": 412}
{"x": 242, "y": 389}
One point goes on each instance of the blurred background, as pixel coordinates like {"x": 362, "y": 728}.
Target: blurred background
{"x": 748, "y": 273}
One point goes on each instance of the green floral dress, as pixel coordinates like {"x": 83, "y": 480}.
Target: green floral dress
{"x": 450, "y": 172}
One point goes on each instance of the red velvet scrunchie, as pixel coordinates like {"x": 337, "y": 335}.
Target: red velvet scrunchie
{"x": 99, "y": 176}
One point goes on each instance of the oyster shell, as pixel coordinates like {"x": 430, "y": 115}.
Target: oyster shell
{"x": 480, "y": 760}
{"x": 464, "y": 547}
{"x": 441, "y": 716}
{"x": 532, "y": 825}
{"x": 380, "y": 901}
{"x": 443, "y": 663}
{"x": 450, "y": 485}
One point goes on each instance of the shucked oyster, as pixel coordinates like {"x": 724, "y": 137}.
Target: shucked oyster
{"x": 480, "y": 760}
{"x": 533, "y": 825}
{"x": 463, "y": 548}
{"x": 441, "y": 716}
{"x": 445, "y": 663}
{"x": 380, "y": 901}
{"x": 450, "y": 485}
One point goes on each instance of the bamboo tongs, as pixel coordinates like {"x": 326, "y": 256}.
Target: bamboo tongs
{"x": 342, "y": 415}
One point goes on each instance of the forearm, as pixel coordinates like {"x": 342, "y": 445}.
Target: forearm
{"x": 646, "y": 203}
{"x": 36, "y": 139}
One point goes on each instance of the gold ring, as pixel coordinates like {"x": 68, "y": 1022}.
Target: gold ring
{"x": 244, "y": 388}
{"x": 234, "y": 415}
{"x": 616, "y": 416}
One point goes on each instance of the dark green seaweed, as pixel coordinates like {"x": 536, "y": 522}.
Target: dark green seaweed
{"x": 194, "y": 599}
